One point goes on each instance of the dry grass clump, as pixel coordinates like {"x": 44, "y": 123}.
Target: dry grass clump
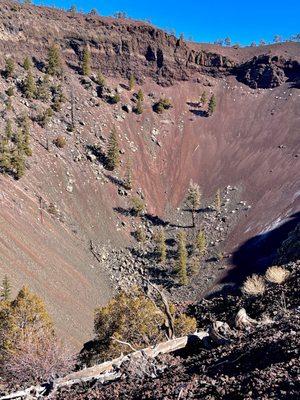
{"x": 60, "y": 141}
{"x": 277, "y": 274}
{"x": 254, "y": 285}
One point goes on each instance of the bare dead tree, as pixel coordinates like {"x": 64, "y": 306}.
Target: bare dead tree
{"x": 170, "y": 319}
{"x": 38, "y": 357}
{"x": 72, "y": 110}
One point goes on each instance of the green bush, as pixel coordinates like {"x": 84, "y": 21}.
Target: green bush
{"x": 162, "y": 105}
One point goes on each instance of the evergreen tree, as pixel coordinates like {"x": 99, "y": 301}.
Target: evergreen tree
{"x": 8, "y": 104}
{"x": 140, "y": 95}
{"x": 161, "y": 248}
{"x": 18, "y": 155}
{"x": 131, "y": 82}
{"x": 113, "y": 151}
{"x": 100, "y": 79}
{"x": 128, "y": 176}
{"x": 139, "y": 107}
{"x": 27, "y": 313}
{"x": 227, "y": 41}
{"x": 194, "y": 267}
{"x": 193, "y": 199}
{"x": 9, "y": 67}
{"x": 5, "y": 291}
{"x": 45, "y": 117}
{"x": 54, "y": 61}
{"x": 8, "y": 130}
{"x": 59, "y": 98}
{"x": 201, "y": 242}
{"x": 93, "y": 12}
{"x": 26, "y": 136}
{"x": 29, "y": 86}
{"x": 29, "y": 309}
{"x": 73, "y": 10}
{"x": 18, "y": 163}
{"x": 5, "y": 156}
{"x": 182, "y": 259}
{"x": 27, "y": 63}
{"x": 138, "y": 206}
{"x": 140, "y": 235}
{"x": 203, "y": 98}
{"x": 86, "y": 61}
{"x": 115, "y": 99}
{"x": 43, "y": 89}
{"x": 218, "y": 201}
{"x": 212, "y": 105}
{"x": 10, "y": 91}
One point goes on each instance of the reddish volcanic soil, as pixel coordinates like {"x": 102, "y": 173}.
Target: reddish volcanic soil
{"x": 251, "y": 141}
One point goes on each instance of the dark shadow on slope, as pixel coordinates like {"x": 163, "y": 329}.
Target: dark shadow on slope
{"x": 192, "y": 104}
{"x": 40, "y": 65}
{"x": 199, "y": 113}
{"x": 99, "y": 153}
{"x": 123, "y": 211}
{"x": 155, "y": 220}
{"x": 115, "y": 181}
{"x": 259, "y": 252}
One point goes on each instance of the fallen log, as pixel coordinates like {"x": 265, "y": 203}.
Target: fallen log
{"x": 105, "y": 372}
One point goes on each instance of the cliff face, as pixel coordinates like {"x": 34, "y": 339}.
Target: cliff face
{"x": 123, "y": 47}
{"x": 267, "y": 71}
{"x": 251, "y": 141}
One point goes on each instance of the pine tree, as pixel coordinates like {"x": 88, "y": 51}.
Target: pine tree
{"x": 8, "y": 130}
{"x": 182, "y": 259}
{"x": 161, "y": 248}
{"x": 128, "y": 176}
{"x": 27, "y": 313}
{"x": 131, "y": 82}
{"x": 86, "y": 61}
{"x": 138, "y": 205}
{"x": 203, "y": 98}
{"x": 140, "y": 95}
{"x": 8, "y": 104}
{"x": 212, "y": 105}
{"x": 100, "y": 79}
{"x": 194, "y": 267}
{"x": 18, "y": 155}
{"x": 227, "y": 41}
{"x": 140, "y": 235}
{"x": 18, "y": 164}
{"x": 113, "y": 151}
{"x": 218, "y": 201}
{"x": 59, "y": 98}
{"x": 73, "y": 10}
{"x": 9, "y": 67}
{"x": 29, "y": 86}
{"x": 193, "y": 199}
{"x": 27, "y": 63}
{"x": 45, "y": 117}
{"x": 115, "y": 98}
{"x": 10, "y": 91}
{"x": 5, "y": 291}
{"x": 54, "y": 61}
{"x": 5, "y": 156}
{"x": 26, "y": 136}
{"x": 201, "y": 242}
{"x": 43, "y": 89}
{"x": 139, "y": 107}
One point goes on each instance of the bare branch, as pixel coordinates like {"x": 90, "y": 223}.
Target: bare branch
{"x": 170, "y": 325}
{"x": 125, "y": 343}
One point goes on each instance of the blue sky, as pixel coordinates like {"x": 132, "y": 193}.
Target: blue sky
{"x": 205, "y": 21}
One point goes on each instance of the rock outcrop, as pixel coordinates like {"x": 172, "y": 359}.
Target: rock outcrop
{"x": 266, "y": 71}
